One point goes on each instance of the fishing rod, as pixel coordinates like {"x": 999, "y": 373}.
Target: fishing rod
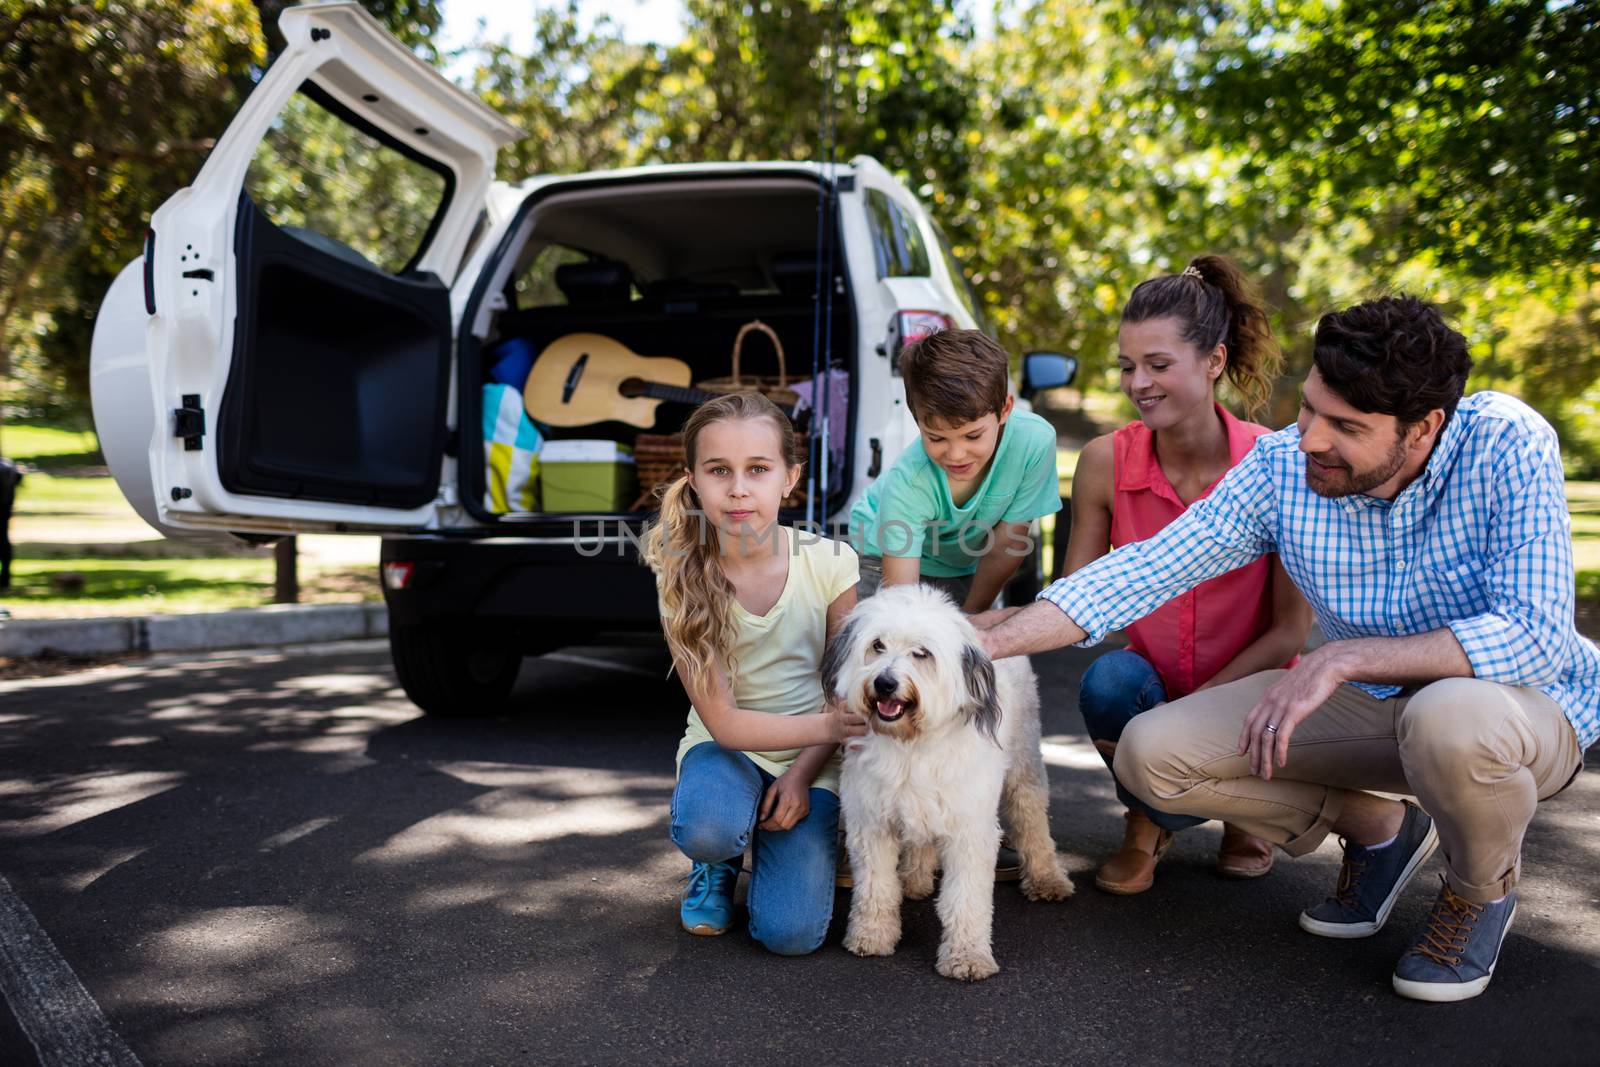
{"x": 821, "y": 451}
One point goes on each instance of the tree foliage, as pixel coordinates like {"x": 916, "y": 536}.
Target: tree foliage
{"x": 100, "y": 104}
{"x": 108, "y": 107}
{"x": 1467, "y": 130}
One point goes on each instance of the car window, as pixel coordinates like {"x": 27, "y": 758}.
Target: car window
{"x": 964, "y": 289}
{"x": 334, "y": 181}
{"x": 897, "y": 245}
{"x": 536, "y": 285}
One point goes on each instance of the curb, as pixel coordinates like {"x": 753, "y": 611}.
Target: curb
{"x": 279, "y": 624}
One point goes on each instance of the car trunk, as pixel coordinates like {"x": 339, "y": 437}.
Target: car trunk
{"x": 674, "y": 267}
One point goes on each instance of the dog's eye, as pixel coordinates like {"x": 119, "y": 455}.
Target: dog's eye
{"x": 877, "y": 645}
{"x": 920, "y": 653}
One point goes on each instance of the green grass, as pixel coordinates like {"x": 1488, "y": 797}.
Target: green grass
{"x": 75, "y": 588}
{"x": 42, "y": 493}
{"x": 56, "y": 513}
{"x": 1583, "y": 501}
{"x": 65, "y": 510}
{"x": 49, "y": 446}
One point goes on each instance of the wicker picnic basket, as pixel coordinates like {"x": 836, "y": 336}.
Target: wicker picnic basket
{"x": 659, "y": 460}
{"x": 659, "y": 457}
{"x": 775, "y": 389}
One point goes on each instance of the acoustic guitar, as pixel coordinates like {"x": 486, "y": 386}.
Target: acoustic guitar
{"x": 584, "y": 378}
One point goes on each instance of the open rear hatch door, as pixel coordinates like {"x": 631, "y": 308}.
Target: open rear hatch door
{"x": 293, "y": 303}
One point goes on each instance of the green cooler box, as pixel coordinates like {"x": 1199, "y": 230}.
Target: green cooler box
{"x": 586, "y": 476}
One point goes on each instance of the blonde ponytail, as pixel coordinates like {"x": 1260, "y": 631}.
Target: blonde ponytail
{"x": 697, "y": 598}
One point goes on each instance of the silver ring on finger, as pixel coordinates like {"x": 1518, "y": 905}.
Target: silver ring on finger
{"x": 1271, "y": 728}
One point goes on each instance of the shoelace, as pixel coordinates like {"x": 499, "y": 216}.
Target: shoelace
{"x": 699, "y": 879}
{"x": 1350, "y": 874}
{"x": 1449, "y": 926}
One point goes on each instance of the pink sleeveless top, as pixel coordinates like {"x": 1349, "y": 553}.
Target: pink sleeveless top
{"x": 1192, "y": 637}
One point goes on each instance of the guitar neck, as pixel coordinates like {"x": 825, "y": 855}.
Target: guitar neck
{"x": 677, "y": 394}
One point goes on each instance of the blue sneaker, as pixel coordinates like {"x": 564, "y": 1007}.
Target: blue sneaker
{"x": 1455, "y": 956}
{"x": 1370, "y": 880}
{"x": 707, "y": 905}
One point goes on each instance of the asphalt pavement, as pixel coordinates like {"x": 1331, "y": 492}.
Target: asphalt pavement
{"x": 272, "y": 857}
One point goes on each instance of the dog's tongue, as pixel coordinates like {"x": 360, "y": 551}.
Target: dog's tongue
{"x": 891, "y": 709}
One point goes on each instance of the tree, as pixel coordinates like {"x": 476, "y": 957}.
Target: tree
{"x": 1466, "y": 130}
{"x": 577, "y": 95}
{"x": 99, "y": 105}
{"x": 1449, "y": 148}
{"x": 414, "y": 22}
{"x": 107, "y": 107}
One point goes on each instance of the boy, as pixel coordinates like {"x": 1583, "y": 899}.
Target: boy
{"x": 955, "y": 508}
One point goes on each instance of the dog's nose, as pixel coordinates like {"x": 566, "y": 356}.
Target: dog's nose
{"x": 885, "y": 684}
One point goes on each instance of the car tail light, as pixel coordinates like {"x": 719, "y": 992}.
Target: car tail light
{"x": 398, "y": 575}
{"x": 915, "y": 325}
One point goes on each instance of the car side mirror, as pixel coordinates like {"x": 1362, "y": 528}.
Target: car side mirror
{"x": 1046, "y": 370}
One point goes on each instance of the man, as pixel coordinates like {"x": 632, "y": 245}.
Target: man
{"x": 1430, "y": 534}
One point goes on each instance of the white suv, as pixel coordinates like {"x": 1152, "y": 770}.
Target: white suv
{"x": 304, "y": 344}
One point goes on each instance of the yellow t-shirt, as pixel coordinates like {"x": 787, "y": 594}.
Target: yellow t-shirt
{"x": 778, "y": 655}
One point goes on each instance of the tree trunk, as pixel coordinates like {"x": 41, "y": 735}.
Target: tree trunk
{"x": 286, "y": 585}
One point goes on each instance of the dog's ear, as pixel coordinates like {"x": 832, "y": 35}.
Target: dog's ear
{"x": 833, "y": 660}
{"x": 982, "y": 707}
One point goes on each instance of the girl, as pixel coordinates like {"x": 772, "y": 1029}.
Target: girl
{"x": 1180, "y": 334}
{"x": 748, "y": 607}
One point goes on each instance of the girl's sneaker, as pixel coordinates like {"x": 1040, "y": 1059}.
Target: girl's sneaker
{"x": 707, "y": 905}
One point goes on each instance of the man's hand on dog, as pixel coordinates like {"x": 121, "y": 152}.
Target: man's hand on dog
{"x": 788, "y": 800}
{"x": 1289, "y": 702}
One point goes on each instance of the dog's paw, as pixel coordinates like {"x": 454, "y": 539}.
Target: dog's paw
{"x": 1051, "y": 883}
{"x": 966, "y": 966}
{"x": 874, "y": 940}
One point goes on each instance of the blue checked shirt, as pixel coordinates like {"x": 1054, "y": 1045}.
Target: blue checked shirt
{"x": 1481, "y": 542}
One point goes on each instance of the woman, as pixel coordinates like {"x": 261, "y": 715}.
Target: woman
{"x": 1181, "y": 334}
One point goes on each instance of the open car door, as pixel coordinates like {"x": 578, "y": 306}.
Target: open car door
{"x": 279, "y": 358}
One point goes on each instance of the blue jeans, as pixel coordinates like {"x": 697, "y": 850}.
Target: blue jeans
{"x": 714, "y": 810}
{"x": 1115, "y": 688}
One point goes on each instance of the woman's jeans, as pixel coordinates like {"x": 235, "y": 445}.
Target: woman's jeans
{"x": 1115, "y": 688}
{"x": 714, "y": 810}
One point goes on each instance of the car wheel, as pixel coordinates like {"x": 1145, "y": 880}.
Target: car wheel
{"x": 448, "y": 674}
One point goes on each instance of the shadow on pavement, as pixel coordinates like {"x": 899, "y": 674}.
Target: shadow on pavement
{"x": 279, "y": 860}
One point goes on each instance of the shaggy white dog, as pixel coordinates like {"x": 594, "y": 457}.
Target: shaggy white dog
{"x": 954, "y": 740}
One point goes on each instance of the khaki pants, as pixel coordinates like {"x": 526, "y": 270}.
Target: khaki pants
{"x": 1478, "y": 756}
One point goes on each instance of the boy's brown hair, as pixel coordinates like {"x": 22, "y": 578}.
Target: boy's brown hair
{"x": 955, "y": 376}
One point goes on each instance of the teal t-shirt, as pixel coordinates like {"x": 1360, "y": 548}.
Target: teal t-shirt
{"x": 908, "y": 512}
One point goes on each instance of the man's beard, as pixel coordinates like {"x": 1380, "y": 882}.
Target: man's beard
{"x": 1347, "y": 481}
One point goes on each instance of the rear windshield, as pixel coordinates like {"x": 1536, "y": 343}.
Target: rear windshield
{"x": 536, "y": 286}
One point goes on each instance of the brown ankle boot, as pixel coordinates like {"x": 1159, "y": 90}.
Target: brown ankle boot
{"x": 1243, "y": 854}
{"x": 1133, "y": 868}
